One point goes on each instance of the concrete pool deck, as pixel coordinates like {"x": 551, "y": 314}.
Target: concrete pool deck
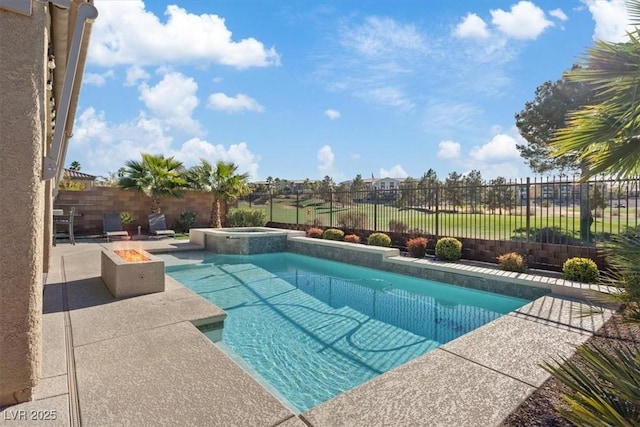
{"x": 141, "y": 361}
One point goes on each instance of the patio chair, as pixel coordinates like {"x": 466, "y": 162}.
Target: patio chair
{"x": 68, "y": 223}
{"x": 158, "y": 226}
{"x": 112, "y": 226}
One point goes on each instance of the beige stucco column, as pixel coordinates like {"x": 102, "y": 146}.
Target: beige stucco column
{"x": 23, "y": 49}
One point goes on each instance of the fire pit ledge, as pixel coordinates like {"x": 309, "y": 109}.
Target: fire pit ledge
{"x": 132, "y": 278}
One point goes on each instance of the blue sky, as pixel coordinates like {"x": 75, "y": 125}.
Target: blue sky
{"x": 297, "y": 89}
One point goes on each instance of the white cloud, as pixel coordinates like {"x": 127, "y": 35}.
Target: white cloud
{"x": 389, "y": 96}
{"x": 332, "y": 114}
{"x": 134, "y": 75}
{"x": 559, "y": 14}
{"x": 501, "y": 148}
{"x": 241, "y": 102}
{"x": 126, "y": 33}
{"x": 102, "y": 147}
{"x": 612, "y": 22}
{"x": 473, "y": 27}
{"x": 375, "y": 58}
{"x": 325, "y": 158}
{"x": 449, "y": 117}
{"x": 96, "y": 78}
{"x": 448, "y": 150}
{"x": 395, "y": 172}
{"x": 377, "y": 37}
{"x": 173, "y": 99}
{"x": 194, "y": 149}
{"x": 525, "y": 21}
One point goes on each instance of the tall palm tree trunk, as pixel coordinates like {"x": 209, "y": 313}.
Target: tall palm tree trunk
{"x": 214, "y": 220}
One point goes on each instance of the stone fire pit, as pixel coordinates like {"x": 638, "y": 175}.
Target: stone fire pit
{"x": 132, "y": 272}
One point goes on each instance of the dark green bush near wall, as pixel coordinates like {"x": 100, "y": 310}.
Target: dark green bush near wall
{"x": 186, "y": 221}
{"x": 333, "y": 234}
{"x": 448, "y": 248}
{"x": 246, "y": 218}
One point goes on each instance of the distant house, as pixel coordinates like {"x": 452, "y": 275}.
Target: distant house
{"x": 73, "y": 179}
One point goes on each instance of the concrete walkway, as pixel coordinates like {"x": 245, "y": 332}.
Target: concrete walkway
{"x": 141, "y": 362}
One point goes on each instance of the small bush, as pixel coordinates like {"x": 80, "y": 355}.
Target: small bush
{"x": 580, "y": 270}
{"x": 449, "y": 248}
{"x": 396, "y": 226}
{"x": 246, "y": 218}
{"x": 126, "y": 218}
{"x": 352, "y": 220}
{"x": 333, "y": 234}
{"x": 417, "y": 247}
{"x": 379, "y": 239}
{"x": 186, "y": 220}
{"x": 512, "y": 261}
{"x": 315, "y": 232}
{"x": 352, "y": 238}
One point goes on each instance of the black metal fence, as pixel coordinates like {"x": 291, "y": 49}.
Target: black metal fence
{"x": 561, "y": 211}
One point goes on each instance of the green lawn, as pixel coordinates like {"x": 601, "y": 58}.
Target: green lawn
{"x": 462, "y": 224}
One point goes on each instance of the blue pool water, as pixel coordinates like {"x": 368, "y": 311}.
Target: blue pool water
{"x": 313, "y": 328}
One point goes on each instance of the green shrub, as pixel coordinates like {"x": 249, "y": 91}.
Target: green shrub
{"x": 126, "y": 218}
{"x": 246, "y": 218}
{"x": 186, "y": 220}
{"x": 396, "y": 226}
{"x": 448, "y": 248}
{"x": 352, "y": 220}
{"x": 580, "y": 270}
{"x": 333, "y": 234}
{"x": 379, "y": 239}
{"x": 352, "y": 238}
{"x": 417, "y": 247}
{"x": 512, "y": 261}
{"x": 315, "y": 232}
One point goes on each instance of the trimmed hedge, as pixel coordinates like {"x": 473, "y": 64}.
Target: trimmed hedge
{"x": 449, "y": 249}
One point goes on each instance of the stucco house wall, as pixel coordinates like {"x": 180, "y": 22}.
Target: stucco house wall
{"x": 22, "y": 199}
{"x": 28, "y": 89}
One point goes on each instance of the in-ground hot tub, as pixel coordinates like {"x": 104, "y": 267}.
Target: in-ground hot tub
{"x": 242, "y": 240}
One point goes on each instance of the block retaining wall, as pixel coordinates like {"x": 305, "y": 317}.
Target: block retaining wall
{"x": 94, "y": 201}
{"x": 546, "y": 256}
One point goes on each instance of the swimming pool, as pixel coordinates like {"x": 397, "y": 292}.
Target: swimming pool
{"x": 314, "y": 328}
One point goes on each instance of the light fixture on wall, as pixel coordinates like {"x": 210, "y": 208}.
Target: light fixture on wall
{"x": 52, "y": 62}
{"x": 49, "y": 85}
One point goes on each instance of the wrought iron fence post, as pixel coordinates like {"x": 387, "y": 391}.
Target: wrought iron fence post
{"x": 297, "y": 208}
{"x": 375, "y": 209}
{"x": 528, "y": 209}
{"x": 331, "y": 207}
{"x": 437, "y": 225}
{"x": 270, "y": 205}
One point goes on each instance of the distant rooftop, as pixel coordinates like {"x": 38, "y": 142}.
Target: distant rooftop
{"x": 74, "y": 174}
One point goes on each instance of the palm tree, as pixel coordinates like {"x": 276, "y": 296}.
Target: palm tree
{"x": 606, "y": 134}
{"x": 223, "y": 182}
{"x": 155, "y": 176}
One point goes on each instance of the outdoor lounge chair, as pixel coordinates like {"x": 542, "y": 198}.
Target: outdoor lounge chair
{"x": 158, "y": 226}
{"x": 112, "y": 226}
{"x": 68, "y": 223}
